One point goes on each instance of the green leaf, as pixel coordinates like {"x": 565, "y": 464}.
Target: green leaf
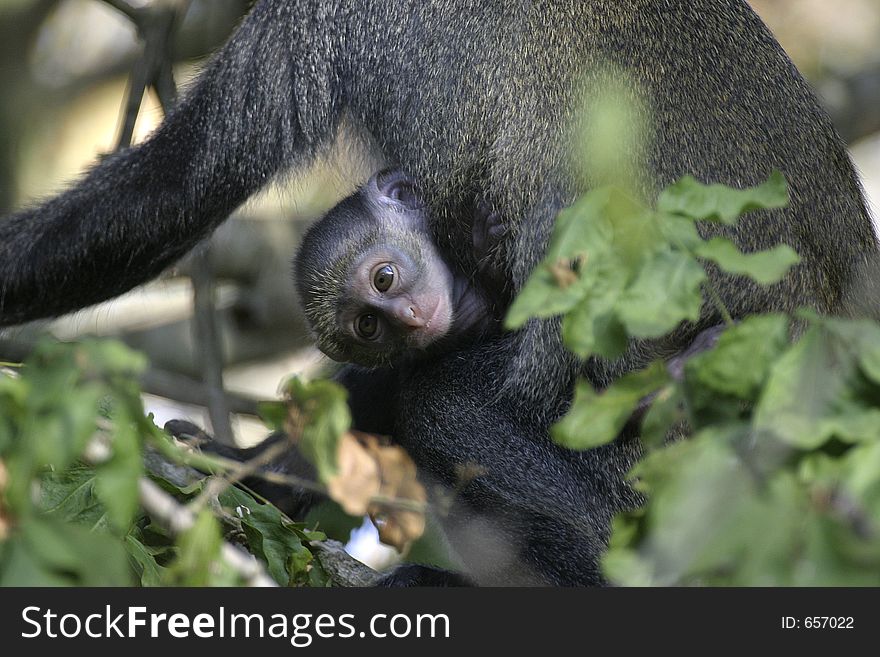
{"x": 764, "y": 539}
{"x": 740, "y": 362}
{"x": 597, "y": 418}
{"x": 856, "y": 474}
{"x": 665, "y": 293}
{"x": 333, "y": 521}
{"x": 817, "y": 391}
{"x": 692, "y": 485}
{"x": 151, "y": 573}
{"x": 861, "y": 467}
{"x": 198, "y": 551}
{"x": 765, "y": 267}
{"x": 317, "y": 577}
{"x": 693, "y": 199}
{"x": 63, "y": 425}
{"x": 300, "y": 564}
{"x": 591, "y": 326}
{"x": 69, "y": 495}
{"x": 324, "y": 416}
{"x": 271, "y": 537}
{"x": 609, "y": 235}
{"x": 110, "y": 357}
{"x": 666, "y": 410}
{"x": 542, "y": 296}
{"x": 583, "y": 229}
{"x": 20, "y": 566}
{"x": 626, "y": 567}
{"x": 273, "y": 414}
{"x": 68, "y": 554}
{"x": 117, "y": 478}
{"x": 846, "y": 558}
{"x": 637, "y": 236}
{"x": 13, "y": 399}
{"x": 67, "y": 387}
{"x": 586, "y": 332}
{"x": 861, "y": 338}
{"x": 614, "y": 128}
{"x": 679, "y": 232}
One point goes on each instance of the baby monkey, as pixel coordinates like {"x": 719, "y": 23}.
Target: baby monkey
{"x": 374, "y": 287}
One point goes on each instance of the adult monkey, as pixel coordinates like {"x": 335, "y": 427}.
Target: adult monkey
{"x": 473, "y": 96}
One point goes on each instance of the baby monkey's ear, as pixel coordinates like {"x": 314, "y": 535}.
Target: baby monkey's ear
{"x": 398, "y": 187}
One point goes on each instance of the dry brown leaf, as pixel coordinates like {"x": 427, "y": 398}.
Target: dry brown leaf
{"x": 357, "y": 479}
{"x": 565, "y": 272}
{"x": 379, "y": 478}
{"x": 294, "y": 422}
{"x": 398, "y": 526}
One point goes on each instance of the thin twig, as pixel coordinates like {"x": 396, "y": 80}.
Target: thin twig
{"x": 134, "y": 97}
{"x": 217, "y": 464}
{"x": 154, "y": 70}
{"x": 209, "y": 346}
{"x": 218, "y": 484}
{"x": 719, "y": 304}
{"x": 297, "y": 482}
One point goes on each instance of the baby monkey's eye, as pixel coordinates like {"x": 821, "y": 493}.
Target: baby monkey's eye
{"x": 383, "y": 278}
{"x": 367, "y": 326}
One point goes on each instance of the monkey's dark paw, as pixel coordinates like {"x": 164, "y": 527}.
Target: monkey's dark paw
{"x": 487, "y": 229}
{"x": 412, "y": 574}
{"x": 703, "y": 342}
{"x": 495, "y": 227}
{"x": 187, "y": 432}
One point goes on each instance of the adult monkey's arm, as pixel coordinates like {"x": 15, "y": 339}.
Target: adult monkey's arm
{"x": 258, "y": 107}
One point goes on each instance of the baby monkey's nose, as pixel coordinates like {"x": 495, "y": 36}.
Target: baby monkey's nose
{"x": 408, "y": 314}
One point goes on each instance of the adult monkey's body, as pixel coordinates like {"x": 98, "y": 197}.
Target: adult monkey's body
{"x": 473, "y": 96}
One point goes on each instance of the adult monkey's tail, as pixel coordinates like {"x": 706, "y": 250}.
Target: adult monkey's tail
{"x": 256, "y": 109}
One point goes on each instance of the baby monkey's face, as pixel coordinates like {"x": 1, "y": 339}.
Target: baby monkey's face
{"x": 374, "y": 284}
{"x": 399, "y": 298}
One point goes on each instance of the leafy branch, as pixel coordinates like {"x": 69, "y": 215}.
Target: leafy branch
{"x": 779, "y": 482}
{"x": 77, "y": 505}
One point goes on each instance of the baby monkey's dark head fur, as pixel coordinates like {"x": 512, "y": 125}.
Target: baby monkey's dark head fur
{"x": 371, "y": 281}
